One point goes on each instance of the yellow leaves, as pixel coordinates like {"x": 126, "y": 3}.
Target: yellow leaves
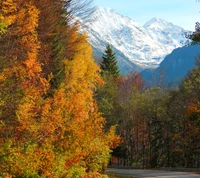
{"x": 2, "y": 124}
{"x": 86, "y": 141}
{"x": 33, "y": 66}
{"x": 2, "y": 77}
{"x": 114, "y": 139}
{"x": 28, "y": 16}
{"x": 80, "y": 78}
{"x": 26, "y": 114}
{"x": 82, "y": 67}
{"x": 89, "y": 142}
{"x": 29, "y": 66}
{"x": 8, "y": 176}
{"x": 82, "y": 72}
{"x": 8, "y": 6}
{"x": 8, "y": 12}
{"x": 49, "y": 129}
{"x": 33, "y": 12}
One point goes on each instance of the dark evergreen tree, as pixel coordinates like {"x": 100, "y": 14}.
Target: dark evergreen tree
{"x": 109, "y": 63}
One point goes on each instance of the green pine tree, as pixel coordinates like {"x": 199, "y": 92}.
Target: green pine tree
{"x": 109, "y": 64}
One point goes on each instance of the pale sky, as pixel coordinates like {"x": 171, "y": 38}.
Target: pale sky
{"x": 183, "y": 13}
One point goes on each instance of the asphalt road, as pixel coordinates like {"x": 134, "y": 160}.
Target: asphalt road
{"x": 140, "y": 173}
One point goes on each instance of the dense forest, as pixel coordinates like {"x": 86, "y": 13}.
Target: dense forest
{"x": 160, "y": 126}
{"x": 62, "y": 115}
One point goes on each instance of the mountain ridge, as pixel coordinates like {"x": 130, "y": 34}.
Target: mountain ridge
{"x": 144, "y": 46}
{"x": 174, "y": 67}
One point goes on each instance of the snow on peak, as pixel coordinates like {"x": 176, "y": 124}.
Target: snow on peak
{"x": 155, "y": 21}
{"x": 145, "y": 45}
{"x": 172, "y": 36}
{"x": 110, "y": 18}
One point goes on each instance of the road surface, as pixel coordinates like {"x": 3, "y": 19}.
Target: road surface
{"x": 140, "y": 173}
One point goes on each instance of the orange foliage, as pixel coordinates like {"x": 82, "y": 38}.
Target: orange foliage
{"x": 193, "y": 107}
{"x": 22, "y": 90}
{"x": 48, "y": 133}
{"x": 8, "y": 10}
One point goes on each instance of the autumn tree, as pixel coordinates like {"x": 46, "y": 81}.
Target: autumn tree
{"x": 50, "y": 125}
{"x": 182, "y": 107}
{"x": 114, "y": 100}
{"x": 57, "y": 42}
{"x": 129, "y": 90}
{"x": 190, "y": 87}
{"x": 22, "y": 90}
{"x": 85, "y": 76}
{"x": 75, "y": 126}
{"x": 7, "y": 15}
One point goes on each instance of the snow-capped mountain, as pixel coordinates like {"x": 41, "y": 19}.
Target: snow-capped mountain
{"x": 143, "y": 46}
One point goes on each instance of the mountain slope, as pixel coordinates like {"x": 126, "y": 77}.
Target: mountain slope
{"x": 143, "y": 46}
{"x": 174, "y": 67}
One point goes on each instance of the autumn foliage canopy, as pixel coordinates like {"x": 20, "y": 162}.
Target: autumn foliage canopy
{"x": 50, "y": 125}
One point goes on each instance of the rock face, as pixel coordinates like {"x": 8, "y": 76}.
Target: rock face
{"x": 137, "y": 47}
